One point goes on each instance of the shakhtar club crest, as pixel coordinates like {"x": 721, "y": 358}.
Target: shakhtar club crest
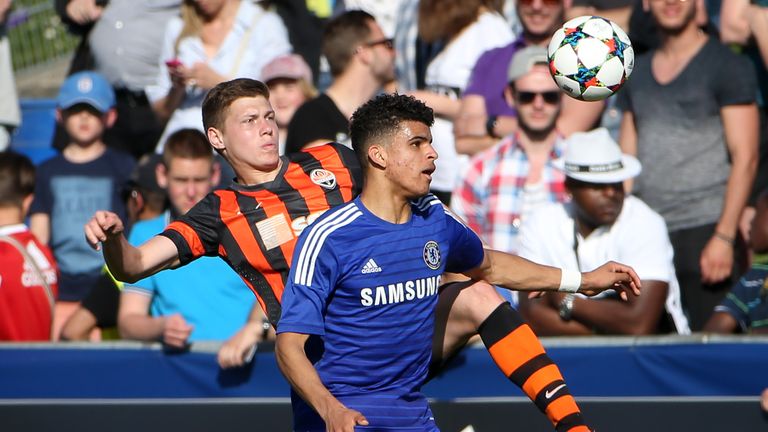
{"x": 432, "y": 255}
{"x": 323, "y": 178}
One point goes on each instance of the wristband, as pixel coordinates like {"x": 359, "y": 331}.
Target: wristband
{"x": 570, "y": 280}
{"x": 723, "y": 237}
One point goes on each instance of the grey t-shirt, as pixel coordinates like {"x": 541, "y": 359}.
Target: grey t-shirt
{"x": 680, "y": 139}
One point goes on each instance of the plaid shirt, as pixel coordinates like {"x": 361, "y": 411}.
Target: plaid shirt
{"x": 491, "y": 193}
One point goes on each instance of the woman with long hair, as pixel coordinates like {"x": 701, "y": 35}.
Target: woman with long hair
{"x": 468, "y": 28}
{"x": 211, "y": 42}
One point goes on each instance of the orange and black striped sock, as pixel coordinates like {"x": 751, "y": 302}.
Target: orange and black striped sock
{"x": 521, "y": 357}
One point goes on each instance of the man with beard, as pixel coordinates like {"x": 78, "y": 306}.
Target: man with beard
{"x": 690, "y": 117}
{"x": 362, "y": 61}
{"x": 507, "y": 181}
{"x": 485, "y": 116}
{"x": 601, "y": 222}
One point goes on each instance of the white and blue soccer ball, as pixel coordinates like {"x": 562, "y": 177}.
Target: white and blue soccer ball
{"x": 590, "y": 57}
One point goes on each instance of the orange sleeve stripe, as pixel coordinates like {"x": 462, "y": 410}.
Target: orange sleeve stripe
{"x": 515, "y": 349}
{"x": 561, "y": 407}
{"x": 540, "y": 379}
{"x": 241, "y": 232}
{"x": 332, "y": 162}
{"x": 190, "y": 235}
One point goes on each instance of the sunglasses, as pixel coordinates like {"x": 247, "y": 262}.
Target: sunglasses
{"x": 550, "y": 97}
{"x": 388, "y": 43}
{"x": 544, "y": 2}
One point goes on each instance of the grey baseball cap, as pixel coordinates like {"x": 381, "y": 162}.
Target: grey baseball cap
{"x": 524, "y": 60}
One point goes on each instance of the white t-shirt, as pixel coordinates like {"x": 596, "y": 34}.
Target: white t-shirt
{"x": 638, "y": 238}
{"x": 448, "y": 73}
{"x": 267, "y": 40}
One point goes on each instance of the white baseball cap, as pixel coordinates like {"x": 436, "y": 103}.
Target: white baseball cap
{"x": 594, "y": 157}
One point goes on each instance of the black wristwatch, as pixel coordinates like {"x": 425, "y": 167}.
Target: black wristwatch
{"x": 490, "y": 126}
{"x": 566, "y": 307}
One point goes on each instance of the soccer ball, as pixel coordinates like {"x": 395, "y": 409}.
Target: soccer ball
{"x": 590, "y": 57}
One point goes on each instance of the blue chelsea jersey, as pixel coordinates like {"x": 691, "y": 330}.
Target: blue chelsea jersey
{"x": 369, "y": 289}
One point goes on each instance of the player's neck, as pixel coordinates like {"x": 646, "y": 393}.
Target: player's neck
{"x": 249, "y": 176}
{"x": 385, "y": 204}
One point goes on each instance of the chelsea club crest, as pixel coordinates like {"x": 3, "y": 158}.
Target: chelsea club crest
{"x": 432, "y": 255}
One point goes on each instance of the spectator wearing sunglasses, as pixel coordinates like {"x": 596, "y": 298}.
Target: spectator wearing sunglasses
{"x": 484, "y": 114}
{"x": 506, "y": 182}
{"x": 362, "y": 62}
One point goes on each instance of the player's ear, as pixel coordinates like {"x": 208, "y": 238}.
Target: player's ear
{"x": 377, "y": 156}
{"x": 216, "y": 138}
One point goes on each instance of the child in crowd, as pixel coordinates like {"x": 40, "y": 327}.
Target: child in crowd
{"x": 28, "y": 271}
{"x": 85, "y": 177}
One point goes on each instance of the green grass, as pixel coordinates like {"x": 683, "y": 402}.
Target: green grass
{"x": 37, "y": 35}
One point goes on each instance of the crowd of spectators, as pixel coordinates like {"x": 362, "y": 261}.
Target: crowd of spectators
{"x": 143, "y": 69}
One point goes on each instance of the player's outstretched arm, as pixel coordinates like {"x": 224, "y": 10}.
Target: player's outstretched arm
{"x": 303, "y": 377}
{"x": 105, "y": 230}
{"x": 517, "y": 273}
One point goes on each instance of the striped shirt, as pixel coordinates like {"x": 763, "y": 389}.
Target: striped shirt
{"x": 254, "y": 228}
{"x": 491, "y": 195}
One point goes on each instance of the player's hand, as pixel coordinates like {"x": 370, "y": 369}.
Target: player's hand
{"x": 716, "y": 261}
{"x": 103, "y": 226}
{"x": 611, "y": 275}
{"x": 343, "y": 419}
{"x": 176, "y": 331}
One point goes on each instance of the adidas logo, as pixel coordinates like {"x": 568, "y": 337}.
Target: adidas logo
{"x": 371, "y": 267}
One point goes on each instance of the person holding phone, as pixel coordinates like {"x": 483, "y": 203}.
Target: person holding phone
{"x": 209, "y": 43}
{"x": 121, "y": 40}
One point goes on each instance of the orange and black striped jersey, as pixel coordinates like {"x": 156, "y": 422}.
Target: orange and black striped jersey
{"x": 254, "y": 228}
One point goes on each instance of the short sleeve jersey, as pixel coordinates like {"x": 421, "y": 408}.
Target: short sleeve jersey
{"x": 254, "y": 228}
{"x": 368, "y": 288}
{"x": 747, "y": 302}
{"x": 317, "y": 119}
